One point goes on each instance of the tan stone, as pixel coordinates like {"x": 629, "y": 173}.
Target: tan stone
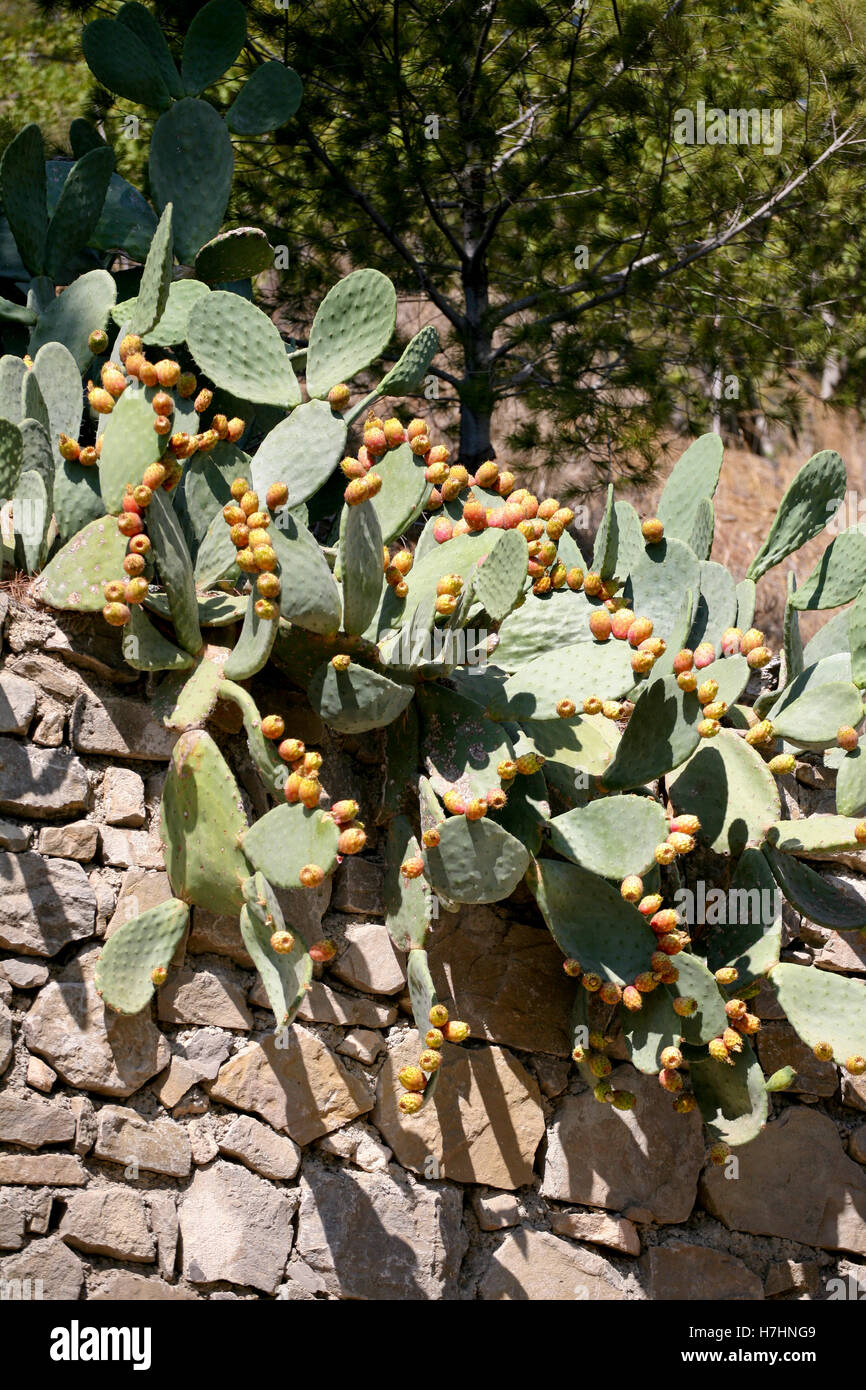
{"x": 410, "y": 1234}
{"x": 40, "y": 1076}
{"x": 11, "y": 1225}
{"x": 300, "y": 1088}
{"x": 108, "y": 1221}
{"x": 49, "y": 1266}
{"x": 165, "y": 1227}
{"x": 362, "y": 1044}
{"x": 360, "y": 1144}
{"x": 857, "y": 1144}
{"x": 325, "y": 1005}
{"x": 75, "y": 841}
{"x": 788, "y": 1276}
{"x": 696, "y": 1274}
{"x": 495, "y": 1213}
{"x": 532, "y": 1266}
{"x": 140, "y": 890}
{"x": 88, "y": 1045}
{"x": 843, "y": 952}
{"x": 24, "y": 974}
{"x": 159, "y": 1146}
{"x": 17, "y": 703}
{"x": 123, "y": 797}
{"x": 32, "y": 1123}
{"x": 220, "y": 936}
{"x": 5, "y": 1037}
{"x": 506, "y": 979}
{"x": 40, "y": 782}
{"x": 119, "y": 727}
{"x": 648, "y": 1157}
{"x": 359, "y": 887}
{"x": 122, "y": 1286}
{"x": 203, "y": 997}
{"x": 796, "y": 1182}
{"x": 127, "y": 849}
{"x": 779, "y": 1046}
{"x": 598, "y": 1228}
{"x": 42, "y": 1170}
{"x": 369, "y": 961}
{"x": 273, "y": 1155}
{"x": 235, "y": 1226}
{"x": 14, "y": 837}
{"x": 483, "y": 1123}
{"x": 45, "y": 904}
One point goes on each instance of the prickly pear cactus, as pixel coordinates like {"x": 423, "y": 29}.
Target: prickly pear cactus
{"x": 589, "y": 730}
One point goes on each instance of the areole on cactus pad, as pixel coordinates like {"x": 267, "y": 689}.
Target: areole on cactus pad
{"x": 588, "y": 727}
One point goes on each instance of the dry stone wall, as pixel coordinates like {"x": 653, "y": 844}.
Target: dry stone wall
{"x": 181, "y": 1154}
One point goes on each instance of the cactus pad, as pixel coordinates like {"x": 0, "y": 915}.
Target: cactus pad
{"x": 732, "y": 1099}
{"x": 360, "y": 566}
{"x": 354, "y": 323}
{"x": 234, "y": 255}
{"x": 268, "y": 99}
{"x": 823, "y": 1007}
{"x": 241, "y": 350}
{"x": 804, "y": 511}
{"x": 611, "y": 837}
{"x": 202, "y": 825}
{"x": 590, "y": 921}
{"x": 356, "y": 700}
{"x": 285, "y": 976}
{"x": 24, "y": 197}
{"x": 124, "y": 974}
{"x": 197, "y": 187}
{"x": 213, "y": 41}
{"x": 74, "y": 577}
{"x": 475, "y": 861}
{"x": 729, "y": 787}
{"x": 660, "y": 735}
{"x": 287, "y": 839}
{"x": 71, "y": 318}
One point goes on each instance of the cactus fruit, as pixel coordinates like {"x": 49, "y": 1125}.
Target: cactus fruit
{"x": 652, "y": 531}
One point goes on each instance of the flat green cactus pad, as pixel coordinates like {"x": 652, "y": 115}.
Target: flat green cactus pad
{"x": 171, "y": 327}
{"x": 660, "y": 735}
{"x": 804, "y": 510}
{"x": 813, "y": 720}
{"x": 649, "y": 1031}
{"x": 729, "y": 787}
{"x": 175, "y": 570}
{"x": 590, "y": 921}
{"x": 813, "y": 896}
{"x": 124, "y": 63}
{"x": 287, "y": 839}
{"x": 613, "y": 836}
{"x": 697, "y": 982}
{"x": 747, "y": 931}
{"x": 268, "y": 99}
{"x": 191, "y": 165}
{"x": 838, "y": 576}
{"x": 24, "y": 196}
{"x": 732, "y": 1099}
{"x": 129, "y": 446}
{"x": 823, "y": 1007}
{"x": 658, "y": 582}
{"x": 286, "y": 975}
{"x": 353, "y": 325}
{"x": 356, "y": 700}
{"x": 408, "y": 901}
{"x": 124, "y": 974}
{"x": 475, "y": 861}
{"x": 213, "y": 41}
{"x": 235, "y": 255}
{"x": 145, "y": 648}
{"x": 241, "y": 350}
{"x": 404, "y": 491}
{"x": 73, "y": 579}
{"x": 814, "y": 835}
{"x": 73, "y": 315}
{"x": 407, "y": 374}
{"x": 361, "y": 566}
{"x": 202, "y": 824}
{"x": 156, "y": 277}
{"x": 460, "y": 748}
{"x": 694, "y": 477}
{"x": 253, "y": 647}
{"x": 302, "y": 451}
{"x": 577, "y": 672}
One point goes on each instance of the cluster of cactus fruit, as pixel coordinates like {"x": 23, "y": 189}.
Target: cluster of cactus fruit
{"x": 605, "y": 732}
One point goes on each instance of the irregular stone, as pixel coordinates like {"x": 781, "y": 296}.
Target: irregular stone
{"x": 108, "y": 1221}
{"x": 75, "y": 841}
{"x": 552, "y": 1073}
{"x": 765, "y": 1003}
{"x": 50, "y": 1267}
{"x": 411, "y": 1235}
{"x": 843, "y": 952}
{"x": 5, "y": 1037}
{"x": 159, "y": 1146}
{"x": 534, "y": 1266}
{"x": 46, "y": 674}
{"x": 301, "y": 1087}
{"x": 273, "y": 1155}
{"x": 202, "y": 1140}
{"x": 50, "y": 724}
{"x": 39, "y": 1075}
{"x": 219, "y": 936}
{"x": 172, "y": 1085}
{"x": 39, "y": 1206}
{"x": 369, "y": 961}
{"x": 779, "y": 1046}
{"x": 85, "y": 1124}
{"x": 853, "y": 1091}
{"x": 647, "y": 1157}
{"x": 497, "y": 1212}
{"x": 165, "y": 1227}
{"x": 24, "y": 974}
{"x": 119, "y": 727}
{"x": 89, "y": 645}
{"x": 506, "y": 977}
{"x": 359, "y": 886}
{"x": 122, "y": 1286}
{"x": 42, "y": 1170}
{"x": 361, "y": 1044}
{"x": 790, "y": 1277}
{"x": 139, "y": 891}
{"x": 17, "y": 703}
{"x": 123, "y": 797}
{"x": 40, "y": 782}
{"x": 199, "y": 1060}
{"x": 325, "y": 1005}
{"x": 14, "y": 837}
{"x": 598, "y": 1228}
{"x": 250, "y": 1241}
{"x": 126, "y": 849}
{"x": 45, "y": 904}
{"x": 360, "y": 1145}
{"x": 11, "y": 1225}
{"x": 483, "y": 1123}
{"x": 697, "y": 1274}
{"x": 32, "y": 1123}
{"x": 857, "y": 1144}
{"x": 203, "y": 997}
{"x": 91, "y": 1047}
{"x": 796, "y": 1182}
